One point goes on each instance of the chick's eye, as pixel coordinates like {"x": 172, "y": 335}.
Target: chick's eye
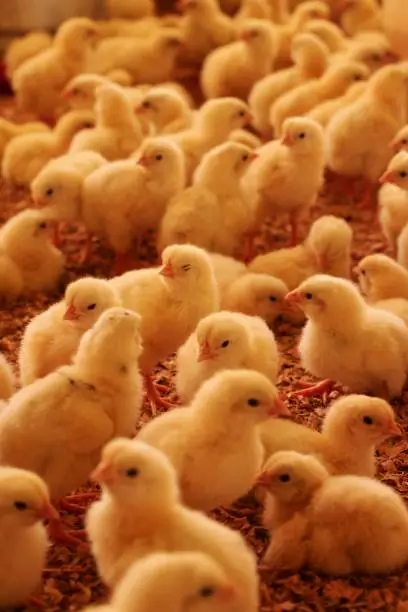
{"x": 42, "y": 225}
{"x": 158, "y": 157}
{"x": 358, "y": 77}
{"x": 367, "y": 420}
{"x": 273, "y": 298}
{"x": 186, "y": 268}
{"x": 132, "y": 472}
{"x": 309, "y": 296}
{"x": 49, "y": 192}
{"x": 241, "y": 114}
{"x": 146, "y": 104}
{"x": 302, "y": 136}
{"x": 20, "y": 505}
{"x": 245, "y": 157}
{"x": 284, "y": 478}
{"x": 375, "y": 57}
{"x": 253, "y": 402}
{"x": 404, "y": 141}
{"x": 206, "y": 591}
{"x": 225, "y": 343}
{"x": 403, "y": 174}
{"x": 91, "y": 307}
{"x": 362, "y": 272}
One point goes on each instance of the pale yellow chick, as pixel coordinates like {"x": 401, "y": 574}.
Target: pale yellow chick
{"x": 9, "y": 130}
{"x": 324, "y": 112}
{"x": 38, "y": 82}
{"x": 360, "y": 15}
{"x": 27, "y": 154}
{"x": 393, "y": 194}
{"x": 129, "y": 9}
{"x": 329, "y": 33}
{"x": 140, "y": 513}
{"x": 166, "y": 109}
{"x": 7, "y": 382}
{"x": 232, "y": 70}
{"x": 225, "y": 341}
{"x": 382, "y": 278}
{"x": 117, "y": 132}
{"x": 79, "y": 92}
{"x": 51, "y": 338}
{"x": 403, "y": 247}
{"x": 24, "y": 48}
{"x": 226, "y": 270}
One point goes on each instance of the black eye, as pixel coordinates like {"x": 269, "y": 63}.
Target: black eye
{"x": 19, "y": 505}
{"x": 76, "y": 91}
{"x": 206, "y": 591}
{"x": 358, "y": 77}
{"x": 403, "y": 174}
{"x": 49, "y": 192}
{"x": 309, "y": 296}
{"x": 158, "y": 157}
{"x": 404, "y": 141}
{"x": 91, "y": 307}
{"x": 88, "y": 124}
{"x": 42, "y": 225}
{"x": 146, "y": 104}
{"x": 375, "y": 57}
{"x": 362, "y": 272}
{"x": 186, "y": 268}
{"x": 368, "y": 420}
{"x": 244, "y": 157}
{"x": 253, "y": 402}
{"x": 225, "y": 343}
{"x": 241, "y": 113}
{"x": 302, "y": 135}
{"x": 284, "y": 478}
{"x": 273, "y": 298}
{"x": 132, "y": 472}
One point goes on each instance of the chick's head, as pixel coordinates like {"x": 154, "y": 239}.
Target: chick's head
{"x": 263, "y": 296}
{"x": 397, "y": 171}
{"x": 24, "y": 498}
{"x": 367, "y": 420}
{"x": 312, "y": 9}
{"x": 374, "y": 54}
{"x": 80, "y": 91}
{"x": 86, "y": 299}
{"x": 55, "y": 184}
{"x": 185, "y": 266}
{"x": 400, "y": 142}
{"x": 303, "y": 136}
{"x": 76, "y": 34}
{"x": 342, "y": 75}
{"x": 377, "y": 274}
{"x": 229, "y": 159}
{"x": 328, "y": 32}
{"x": 74, "y": 121}
{"x": 258, "y": 33}
{"x": 308, "y": 51}
{"x": 291, "y": 477}
{"x": 170, "y": 41}
{"x": 161, "y": 104}
{"x": 161, "y": 158}
{"x": 388, "y": 85}
{"x": 29, "y": 229}
{"x": 223, "y": 339}
{"x": 137, "y": 473}
{"x": 223, "y": 115}
{"x": 330, "y": 239}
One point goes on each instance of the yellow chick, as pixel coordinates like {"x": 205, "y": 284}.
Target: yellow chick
{"x": 24, "y": 48}
{"x": 129, "y": 9}
{"x": 310, "y": 58}
{"x": 403, "y": 247}
{"x": 39, "y": 81}
{"x": 393, "y": 194}
{"x": 225, "y": 341}
{"x": 397, "y": 306}
{"x": 171, "y": 300}
{"x": 7, "y": 383}
{"x": 287, "y": 176}
{"x": 25, "y": 239}
{"x": 9, "y": 130}
{"x": 334, "y": 82}
{"x": 214, "y": 443}
{"x": 329, "y": 33}
{"x": 326, "y": 250}
{"x": 148, "y": 60}
{"x": 360, "y": 15}
{"x": 166, "y": 109}
{"x": 204, "y": 28}
{"x": 213, "y": 212}
{"x": 126, "y": 198}
{"x": 352, "y": 429}
{"x": 376, "y": 116}
{"x": 374, "y": 53}
{"x": 117, "y": 132}
{"x": 212, "y": 126}
{"x": 253, "y": 9}
{"x": 382, "y": 278}
{"x": 140, "y": 513}
{"x": 226, "y": 270}
{"x": 79, "y": 92}
{"x": 27, "y": 154}
{"x": 246, "y": 138}
{"x": 342, "y": 349}
{"x": 279, "y": 11}
{"x": 324, "y": 112}
{"x": 232, "y": 70}
{"x": 25, "y": 503}
{"x": 51, "y": 338}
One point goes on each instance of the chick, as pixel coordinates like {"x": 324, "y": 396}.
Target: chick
{"x": 204, "y": 28}
{"x": 148, "y": 60}
{"x": 382, "y": 278}
{"x": 226, "y": 270}
{"x": 288, "y": 174}
{"x": 376, "y": 116}
{"x": 329, "y": 33}
{"x": 27, "y": 154}
{"x": 253, "y": 9}
{"x": 129, "y": 9}
{"x": 324, "y": 112}
{"x": 171, "y": 300}
{"x": 117, "y": 133}
{"x": 24, "y": 48}
{"x": 9, "y": 130}
{"x": 212, "y": 126}
{"x": 25, "y": 239}
{"x": 327, "y": 250}
{"x": 360, "y": 15}
{"x": 342, "y": 349}
{"x": 126, "y": 198}
{"x": 400, "y": 141}
{"x": 39, "y": 81}
{"x": 232, "y": 70}
{"x": 310, "y": 57}
{"x": 335, "y": 82}
{"x": 374, "y": 53}
{"x": 352, "y": 428}
{"x": 225, "y": 340}
{"x": 141, "y": 505}
{"x": 403, "y": 247}
{"x": 51, "y": 338}
{"x": 166, "y": 109}
{"x": 6, "y": 379}
{"x": 79, "y": 92}
{"x": 212, "y": 213}
{"x": 24, "y": 503}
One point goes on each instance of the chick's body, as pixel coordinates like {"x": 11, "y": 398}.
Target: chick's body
{"x": 6, "y": 379}
{"x": 9, "y": 130}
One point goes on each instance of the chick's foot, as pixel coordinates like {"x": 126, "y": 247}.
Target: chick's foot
{"x": 154, "y": 398}
{"x": 325, "y": 386}
{"x": 59, "y": 535}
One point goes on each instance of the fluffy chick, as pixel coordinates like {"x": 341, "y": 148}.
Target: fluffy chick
{"x": 334, "y": 82}
{"x": 340, "y": 349}
{"x": 51, "y": 338}
{"x": 25, "y": 47}
{"x": 360, "y": 15}
{"x": 7, "y": 383}
{"x": 212, "y": 125}
{"x": 329, "y": 33}
{"x": 382, "y": 278}
{"x": 24, "y": 504}
{"x": 226, "y": 270}
{"x": 225, "y": 341}
{"x": 9, "y": 130}
{"x": 141, "y": 505}
{"x": 324, "y": 112}
{"x": 403, "y": 247}
{"x": 39, "y": 81}
{"x": 117, "y": 133}
{"x": 25, "y": 239}
{"x": 166, "y": 109}
{"x": 171, "y": 300}
{"x": 232, "y": 70}
{"x": 126, "y": 198}
{"x": 310, "y": 57}
{"x": 393, "y": 194}
{"x": 326, "y": 250}
{"x": 57, "y": 426}
{"x": 286, "y": 177}
{"x": 27, "y": 154}
{"x": 79, "y": 92}
{"x": 213, "y": 212}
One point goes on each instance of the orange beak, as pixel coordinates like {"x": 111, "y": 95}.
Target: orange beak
{"x": 143, "y": 161}
{"x": 287, "y": 140}
{"x": 245, "y": 36}
{"x": 205, "y": 353}
{"x": 395, "y": 145}
{"x": 394, "y": 430}
{"x": 263, "y": 479}
{"x": 252, "y": 156}
{"x": 103, "y": 473}
{"x": 139, "y": 110}
{"x": 66, "y": 94}
{"x": 71, "y": 314}
{"x": 387, "y": 177}
{"x": 227, "y": 593}
{"x": 294, "y": 297}
{"x": 248, "y": 118}
{"x": 48, "y": 512}
{"x": 279, "y": 408}
{"x": 167, "y": 270}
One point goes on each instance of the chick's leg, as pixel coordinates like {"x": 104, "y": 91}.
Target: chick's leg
{"x": 86, "y": 251}
{"x": 368, "y": 199}
{"x": 60, "y": 535}
{"x": 154, "y": 398}
{"x": 325, "y": 386}
{"x": 294, "y": 225}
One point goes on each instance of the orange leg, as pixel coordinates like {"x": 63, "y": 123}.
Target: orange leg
{"x": 60, "y": 535}
{"x": 154, "y": 398}
{"x": 86, "y": 251}
{"x": 325, "y": 386}
{"x": 294, "y": 225}
{"x": 367, "y": 200}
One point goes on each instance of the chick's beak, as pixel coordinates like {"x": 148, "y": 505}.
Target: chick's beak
{"x": 387, "y": 177}
{"x": 206, "y": 353}
{"x": 252, "y": 156}
{"x": 245, "y": 36}
{"x": 227, "y": 592}
{"x": 139, "y": 110}
{"x": 48, "y": 512}
{"x": 248, "y": 118}
{"x": 262, "y": 480}
{"x": 279, "y": 408}
{"x": 71, "y": 314}
{"x": 393, "y": 429}
{"x": 287, "y": 140}
{"x": 167, "y": 271}
{"x": 66, "y": 94}
{"x": 182, "y": 5}
{"x": 103, "y": 473}
{"x": 143, "y": 161}
{"x": 294, "y": 297}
